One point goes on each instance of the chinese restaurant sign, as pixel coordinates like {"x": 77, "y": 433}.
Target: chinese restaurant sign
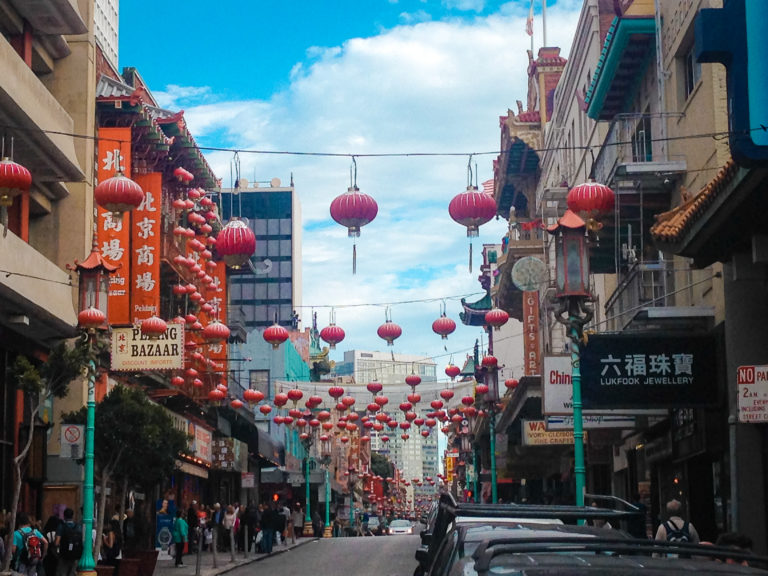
{"x": 133, "y": 351}
{"x": 638, "y": 371}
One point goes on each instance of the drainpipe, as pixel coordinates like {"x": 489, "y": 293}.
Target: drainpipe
{"x": 660, "y": 82}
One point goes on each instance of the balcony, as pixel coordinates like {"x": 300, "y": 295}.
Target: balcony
{"x": 644, "y": 300}
{"x": 630, "y": 154}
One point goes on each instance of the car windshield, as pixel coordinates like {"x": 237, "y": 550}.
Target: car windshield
{"x": 400, "y": 524}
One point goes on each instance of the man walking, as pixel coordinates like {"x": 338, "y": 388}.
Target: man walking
{"x": 268, "y": 525}
{"x": 180, "y": 536}
{"x": 28, "y": 548}
{"x": 675, "y": 529}
{"x": 69, "y": 543}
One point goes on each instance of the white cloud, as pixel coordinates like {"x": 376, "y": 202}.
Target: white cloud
{"x": 429, "y": 87}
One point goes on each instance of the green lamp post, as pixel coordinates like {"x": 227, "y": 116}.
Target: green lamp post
{"x": 93, "y": 274}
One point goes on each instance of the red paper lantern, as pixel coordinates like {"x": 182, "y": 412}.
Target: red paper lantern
{"x": 425, "y": 433}
{"x": 253, "y": 396}
{"x": 216, "y": 332}
{"x": 265, "y": 409}
{"x": 275, "y": 335}
{"x": 332, "y": 335}
{"x": 413, "y": 380}
{"x": 467, "y": 400}
{"x": 336, "y": 392}
{"x": 295, "y": 395}
{"x": 236, "y": 243}
{"x": 481, "y": 389}
{"x": 91, "y": 318}
{"x": 490, "y": 362}
{"x": 511, "y": 383}
{"x": 354, "y": 209}
{"x": 452, "y": 371}
{"x": 118, "y": 194}
{"x": 215, "y": 395}
{"x": 280, "y": 399}
{"x": 177, "y": 381}
{"x": 14, "y": 179}
{"x": 153, "y": 327}
{"x": 236, "y": 404}
{"x": 472, "y": 209}
{"x": 381, "y": 400}
{"x": 348, "y": 401}
{"x": 436, "y": 404}
{"x": 591, "y": 199}
{"x": 446, "y": 394}
{"x": 389, "y": 331}
{"x": 443, "y": 326}
{"x": 374, "y": 387}
{"x": 414, "y": 398}
{"x": 182, "y": 175}
{"x": 496, "y": 318}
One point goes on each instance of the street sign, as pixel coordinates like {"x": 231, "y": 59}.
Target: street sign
{"x": 72, "y": 440}
{"x": 752, "y": 386}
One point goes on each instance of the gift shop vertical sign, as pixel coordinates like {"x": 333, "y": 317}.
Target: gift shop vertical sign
{"x": 114, "y": 234}
{"x": 531, "y": 328}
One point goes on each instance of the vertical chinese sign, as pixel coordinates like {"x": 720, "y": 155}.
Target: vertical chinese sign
{"x": 113, "y": 234}
{"x": 531, "y": 330}
{"x": 145, "y": 249}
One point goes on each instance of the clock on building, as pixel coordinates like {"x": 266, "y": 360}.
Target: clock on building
{"x": 528, "y": 273}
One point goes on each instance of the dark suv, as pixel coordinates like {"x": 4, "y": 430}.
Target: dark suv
{"x": 468, "y": 539}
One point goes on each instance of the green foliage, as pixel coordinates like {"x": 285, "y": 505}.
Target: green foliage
{"x": 133, "y": 437}
{"x": 381, "y": 466}
{"x": 52, "y": 377}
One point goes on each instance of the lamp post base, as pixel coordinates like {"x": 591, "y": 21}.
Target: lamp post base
{"x": 328, "y": 532}
{"x": 308, "y": 529}
{"x": 87, "y": 572}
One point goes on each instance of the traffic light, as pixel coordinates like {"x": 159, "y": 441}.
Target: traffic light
{"x": 467, "y": 495}
{"x": 736, "y": 35}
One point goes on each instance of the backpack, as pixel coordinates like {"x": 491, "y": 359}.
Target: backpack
{"x": 31, "y": 548}
{"x": 71, "y": 541}
{"x": 675, "y": 534}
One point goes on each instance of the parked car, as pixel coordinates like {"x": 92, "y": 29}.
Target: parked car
{"x": 530, "y": 540}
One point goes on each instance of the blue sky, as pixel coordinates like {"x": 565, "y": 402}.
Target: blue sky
{"x": 356, "y": 77}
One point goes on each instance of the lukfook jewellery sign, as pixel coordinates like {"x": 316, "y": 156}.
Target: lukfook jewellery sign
{"x": 639, "y": 371}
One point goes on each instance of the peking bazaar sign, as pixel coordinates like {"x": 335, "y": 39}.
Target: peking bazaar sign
{"x": 132, "y": 350}
{"x": 114, "y": 234}
{"x": 531, "y": 330}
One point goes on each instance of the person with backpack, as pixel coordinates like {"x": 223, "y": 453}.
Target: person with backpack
{"x": 28, "y": 548}
{"x": 69, "y": 543}
{"x": 675, "y": 529}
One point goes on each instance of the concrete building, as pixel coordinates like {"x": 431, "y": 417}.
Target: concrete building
{"x": 46, "y": 52}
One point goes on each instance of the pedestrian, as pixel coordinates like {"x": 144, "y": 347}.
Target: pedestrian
{"x": 675, "y": 528}
{"x": 636, "y": 524}
{"x": 279, "y": 524}
{"x": 228, "y": 524}
{"x": 110, "y": 543}
{"x": 180, "y": 536}
{"x": 288, "y": 531}
{"x": 317, "y": 524}
{"x": 298, "y": 521}
{"x": 252, "y": 518}
{"x": 131, "y": 531}
{"x": 69, "y": 543}
{"x": 49, "y": 531}
{"x": 28, "y": 548}
{"x": 193, "y": 523}
{"x": 268, "y": 525}
{"x": 739, "y": 543}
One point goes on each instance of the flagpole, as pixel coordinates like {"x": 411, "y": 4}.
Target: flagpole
{"x": 544, "y": 22}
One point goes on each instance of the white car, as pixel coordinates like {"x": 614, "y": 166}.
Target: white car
{"x": 400, "y": 527}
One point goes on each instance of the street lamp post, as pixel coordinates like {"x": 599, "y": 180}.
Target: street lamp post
{"x": 572, "y": 275}
{"x": 325, "y": 461}
{"x": 352, "y": 481}
{"x": 93, "y": 274}
{"x": 306, "y": 441}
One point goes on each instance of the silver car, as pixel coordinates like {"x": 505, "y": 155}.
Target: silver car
{"x": 400, "y": 527}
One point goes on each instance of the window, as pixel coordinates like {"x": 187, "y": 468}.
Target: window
{"x": 691, "y": 72}
{"x": 259, "y": 380}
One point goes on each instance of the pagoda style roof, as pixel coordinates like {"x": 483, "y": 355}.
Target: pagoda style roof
{"x": 474, "y": 312}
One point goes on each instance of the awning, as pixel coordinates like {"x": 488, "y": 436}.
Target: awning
{"x": 192, "y": 469}
{"x": 270, "y": 449}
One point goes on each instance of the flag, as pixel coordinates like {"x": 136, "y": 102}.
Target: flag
{"x": 488, "y": 186}
{"x": 529, "y": 21}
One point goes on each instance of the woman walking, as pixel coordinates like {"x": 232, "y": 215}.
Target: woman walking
{"x": 180, "y": 536}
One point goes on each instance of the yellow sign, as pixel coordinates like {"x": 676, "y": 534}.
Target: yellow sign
{"x": 535, "y": 433}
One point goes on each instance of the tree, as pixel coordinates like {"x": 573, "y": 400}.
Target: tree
{"x": 381, "y": 466}
{"x": 39, "y": 381}
{"x": 135, "y": 442}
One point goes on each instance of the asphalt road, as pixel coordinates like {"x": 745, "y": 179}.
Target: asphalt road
{"x": 374, "y": 556}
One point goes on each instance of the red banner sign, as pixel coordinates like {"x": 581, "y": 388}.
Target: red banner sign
{"x": 145, "y": 249}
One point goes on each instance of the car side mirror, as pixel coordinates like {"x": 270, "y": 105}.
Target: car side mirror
{"x": 422, "y": 556}
{"x": 426, "y": 538}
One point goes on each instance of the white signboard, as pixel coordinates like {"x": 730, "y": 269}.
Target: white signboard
{"x": 247, "y": 480}
{"x": 535, "y": 433}
{"x": 133, "y": 351}
{"x": 557, "y": 392}
{"x": 72, "y": 441}
{"x": 752, "y": 382}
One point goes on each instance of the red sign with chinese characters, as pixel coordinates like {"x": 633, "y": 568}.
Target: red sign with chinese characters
{"x": 113, "y": 234}
{"x": 145, "y": 249}
{"x": 531, "y": 332}
{"x": 216, "y": 295}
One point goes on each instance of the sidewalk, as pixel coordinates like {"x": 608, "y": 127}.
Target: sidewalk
{"x": 165, "y": 563}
